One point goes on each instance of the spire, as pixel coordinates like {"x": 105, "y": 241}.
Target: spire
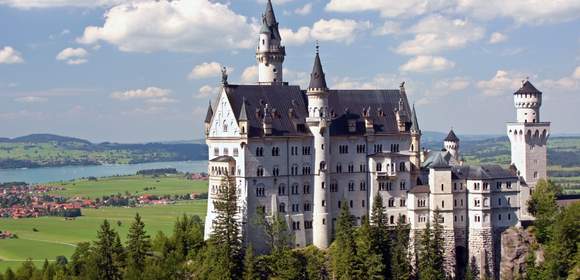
{"x": 451, "y": 137}
{"x": 527, "y": 88}
{"x": 209, "y": 113}
{"x": 243, "y": 115}
{"x": 265, "y": 28}
{"x": 317, "y": 79}
{"x": 415, "y": 123}
{"x": 270, "y": 20}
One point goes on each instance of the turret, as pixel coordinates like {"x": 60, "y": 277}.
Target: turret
{"x": 270, "y": 53}
{"x": 318, "y": 122}
{"x": 243, "y": 120}
{"x": 267, "y": 121}
{"x": 451, "y": 144}
{"x": 528, "y": 101}
{"x": 415, "y": 147}
{"x": 208, "y": 117}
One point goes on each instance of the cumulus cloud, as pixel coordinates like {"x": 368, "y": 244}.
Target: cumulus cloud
{"x": 177, "y": 26}
{"x": 30, "y": 99}
{"x": 427, "y": 63}
{"x": 437, "y": 33}
{"x": 444, "y": 87}
{"x": 378, "y": 81}
{"x": 162, "y": 100}
{"x": 27, "y": 4}
{"x": 337, "y": 30}
{"x": 567, "y": 83}
{"x": 206, "y": 91}
{"x": 9, "y": 55}
{"x": 147, "y": 93}
{"x": 389, "y": 8}
{"x": 207, "y": 70}
{"x": 250, "y": 75}
{"x": 278, "y": 2}
{"x": 73, "y": 56}
{"x": 497, "y": 37}
{"x": 388, "y": 27}
{"x": 503, "y": 82}
{"x": 304, "y": 10}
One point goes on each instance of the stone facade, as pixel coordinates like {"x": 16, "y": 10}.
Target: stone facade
{"x": 302, "y": 153}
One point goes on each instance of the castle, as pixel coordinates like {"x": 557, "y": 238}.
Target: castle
{"x": 301, "y": 153}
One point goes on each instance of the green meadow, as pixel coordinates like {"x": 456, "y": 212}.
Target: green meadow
{"x": 56, "y": 236}
{"x": 135, "y": 185}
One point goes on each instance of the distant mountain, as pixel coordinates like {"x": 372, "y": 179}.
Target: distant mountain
{"x": 48, "y": 150}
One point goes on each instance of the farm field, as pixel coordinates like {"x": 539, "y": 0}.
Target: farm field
{"x": 56, "y": 236}
{"x": 135, "y": 185}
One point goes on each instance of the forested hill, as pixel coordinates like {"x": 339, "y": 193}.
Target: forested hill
{"x": 47, "y": 150}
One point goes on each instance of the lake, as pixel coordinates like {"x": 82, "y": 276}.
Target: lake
{"x": 66, "y": 173}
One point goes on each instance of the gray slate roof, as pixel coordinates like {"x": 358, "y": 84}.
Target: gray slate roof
{"x": 317, "y": 79}
{"x": 452, "y": 137}
{"x": 209, "y": 114}
{"x": 414, "y": 122}
{"x": 223, "y": 159}
{"x": 527, "y": 87}
{"x": 483, "y": 172}
{"x": 420, "y": 189}
{"x": 440, "y": 159}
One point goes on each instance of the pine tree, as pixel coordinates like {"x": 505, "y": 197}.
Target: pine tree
{"x": 380, "y": 234}
{"x": 9, "y": 274}
{"x": 107, "y": 258}
{"x": 138, "y": 249}
{"x": 81, "y": 261}
{"x": 401, "y": 266}
{"x": 544, "y": 208}
{"x": 226, "y": 241}
{"x": 188, "y": 236}
{"x": 438, "y": 246}
{"x": 275, "y": 228}
{"x": 370, "y": 259}
{"x": 315, "y": 263}
{"x": 343, "y": 249}
{"x": 249, "y": 264}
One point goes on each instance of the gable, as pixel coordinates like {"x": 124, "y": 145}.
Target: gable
{"x": 224, "y": 123}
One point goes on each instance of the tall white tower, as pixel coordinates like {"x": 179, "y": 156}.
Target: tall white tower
{"x": 319, "y": 125}
{"x": 528, "y": 137}
{"x": 270, "y": 53}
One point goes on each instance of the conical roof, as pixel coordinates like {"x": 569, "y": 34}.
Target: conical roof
{"x": 527, "y": 87}
{"x": 243, "y": 115}
{"x": 209, "y": 114}
{"x": 269, "y": 14}
{"x": 317, "y": 79}
{"x": 451, "y": 137}
{"x": 439, "y": 161}
{"x": 415, "y": 123}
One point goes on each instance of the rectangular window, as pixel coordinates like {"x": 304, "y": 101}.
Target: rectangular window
{"x": 236, "y": 152}
{"x": 216, "y": 151}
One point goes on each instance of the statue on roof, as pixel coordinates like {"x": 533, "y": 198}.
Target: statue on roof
{"x": 224, "y": 76}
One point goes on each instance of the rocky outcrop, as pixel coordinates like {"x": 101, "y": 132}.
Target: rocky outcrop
{"x": 516, "y": 246}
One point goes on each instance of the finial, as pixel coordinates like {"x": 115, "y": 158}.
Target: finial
{"x": 402, "y": 84}
{"x": 317, "y": 47}
{"x": 224, "y": 75}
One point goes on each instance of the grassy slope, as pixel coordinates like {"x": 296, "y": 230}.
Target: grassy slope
{"x": 174, "y": 184}
{"x": 57, "y": 236}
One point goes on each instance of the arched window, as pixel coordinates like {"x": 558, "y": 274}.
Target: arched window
{"x": 282, "y": 207}
{"x": 282, "y": 189}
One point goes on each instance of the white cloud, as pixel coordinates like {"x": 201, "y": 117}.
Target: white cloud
{"x": 206, "y": 91}
{"x": 378, "y": 81}
{"x": 576, "y": 74}
{"x": 73, "y": 56}
{"x": 337, "y": 30}
{"x": 147, "y": 93}
{"x": 250, "y": 75}
{"x": 427, "y": 63}
{"x": 436, "y": 33}
{"x": 502, "y": 83}
{"x": 568, "y": 83}
{"x": 27, "y": 4}
{"x": 162, "y": 100}
{"x": 445, "y": 87}
{"x": 207, "y": 70}
{"x": 177, "y": 26}
{"x": 497, "y": 37}
{"x": 30, "y": 99}
{"x": 389, "y": 8}
{"x": 532, "y": 12}
{"x": 305, "y": 10}
{"x": 388, "y": 28}
{"x": 9, "y": 55}
{"x": 297, "y": 77}
{"x": 278, "y": 2}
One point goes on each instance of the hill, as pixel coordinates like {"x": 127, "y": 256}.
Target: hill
{"x": 47, "y": 150}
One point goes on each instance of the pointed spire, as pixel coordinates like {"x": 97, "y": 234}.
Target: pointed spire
{"x": 415, "y": 123}
{"x": 451, "y": 137}
{"x": 265, "y": 28}
{"x": 269, "y": 14}
{"x": 209, "y": 113}
{"x": 317, "y": 79}
{"x": 243, "y": 115}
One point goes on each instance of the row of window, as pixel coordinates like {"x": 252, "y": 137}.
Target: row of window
{"x": 388, "y": 185}
{"x": 391, "y": 167}
{"x": 226, "y": 152}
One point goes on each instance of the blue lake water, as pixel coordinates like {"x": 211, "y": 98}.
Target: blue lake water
{"x": 66, "y": 173}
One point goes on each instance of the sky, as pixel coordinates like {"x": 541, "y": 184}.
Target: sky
{"x": 145, "y": 70}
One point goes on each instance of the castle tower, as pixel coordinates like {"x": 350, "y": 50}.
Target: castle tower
{"x": 415, "y": 147}
{"x": 318, "y": 123}
{"x": 451, "y": 144}
{"x": 528, "y": 137}
{"x": 270, "y": 53}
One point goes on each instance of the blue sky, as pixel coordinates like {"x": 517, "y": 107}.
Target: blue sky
{"x": 143, "y": 70}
